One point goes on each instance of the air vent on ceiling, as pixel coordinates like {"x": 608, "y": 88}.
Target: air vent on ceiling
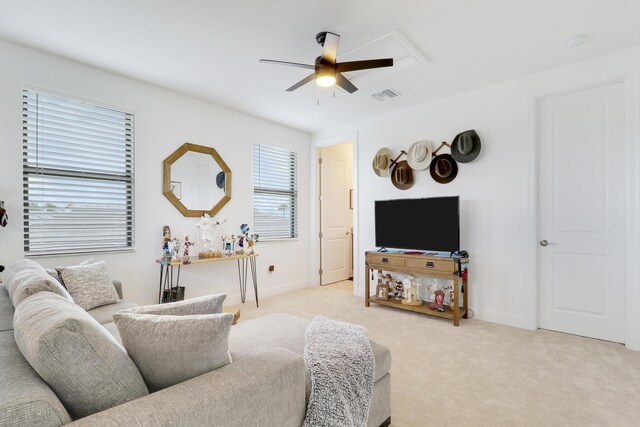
{"x": 383, "y": 95}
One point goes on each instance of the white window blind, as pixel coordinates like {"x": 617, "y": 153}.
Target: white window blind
{"x": 77, "y": 176}
{"x": 275, "y": 193}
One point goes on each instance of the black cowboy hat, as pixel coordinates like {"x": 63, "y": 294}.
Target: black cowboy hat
{"x": 466, "y": 146}
{"x": 443, "y": 168}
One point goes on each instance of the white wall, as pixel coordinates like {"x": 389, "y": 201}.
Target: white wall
{"x": 497, "y": 190}
{"x": 163, "y": 121}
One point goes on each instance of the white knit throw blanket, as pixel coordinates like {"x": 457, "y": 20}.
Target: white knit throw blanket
{"x": 341, "y": 365}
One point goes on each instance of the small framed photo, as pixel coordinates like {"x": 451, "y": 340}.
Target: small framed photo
{"x": 176, "y": 189}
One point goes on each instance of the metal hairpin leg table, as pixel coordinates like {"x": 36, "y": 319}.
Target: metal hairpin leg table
{"x": 245, "y": 262}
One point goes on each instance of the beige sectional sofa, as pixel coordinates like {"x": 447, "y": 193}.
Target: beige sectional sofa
{"x": 267, "y": 383}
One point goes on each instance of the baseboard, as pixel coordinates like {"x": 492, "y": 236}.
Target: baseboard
{"x": 234, "y": 299}
{"x": 502, "y": 318}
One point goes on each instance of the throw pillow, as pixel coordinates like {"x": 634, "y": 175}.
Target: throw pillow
{"x": 81, "y": 362}
{"x": 89, "y": 285}
{"x": 171, "y": 349}
{"x": 209, "y": 304}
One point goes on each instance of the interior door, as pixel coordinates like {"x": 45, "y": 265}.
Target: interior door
{"x": 581, "y": 211}
{"x": 335, "y": 224}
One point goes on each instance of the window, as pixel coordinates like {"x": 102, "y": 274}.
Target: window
{"x": 77, "y": 176}
{"x": 275, "y": 193}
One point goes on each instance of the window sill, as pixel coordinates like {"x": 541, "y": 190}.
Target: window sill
{"x": 79, "y": 252}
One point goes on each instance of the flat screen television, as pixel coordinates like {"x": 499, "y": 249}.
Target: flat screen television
{"x": 430, "y": 224}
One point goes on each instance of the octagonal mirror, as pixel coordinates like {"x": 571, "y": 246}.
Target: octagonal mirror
{"x": 196, "y": 180}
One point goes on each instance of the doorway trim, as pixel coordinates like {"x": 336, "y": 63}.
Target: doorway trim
{"x": 314, "y": 207}
{"x": 629, "y": 78}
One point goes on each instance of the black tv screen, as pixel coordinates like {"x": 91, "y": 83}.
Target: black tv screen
{"x": 431, "y": 224}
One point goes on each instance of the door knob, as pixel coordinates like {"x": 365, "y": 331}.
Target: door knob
{"x": 543, "y": 243}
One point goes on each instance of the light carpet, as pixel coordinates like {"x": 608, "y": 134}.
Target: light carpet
{"x": 481, "y": 373}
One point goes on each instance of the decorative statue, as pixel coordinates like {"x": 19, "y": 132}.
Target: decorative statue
{"x": 399, "y": 291}
{"x": 438, "y": 303}
{"x": 411, "y": 291}
{"x": 246, "y": 240}
{"x": 185, "y": 255}
{"x": 166, "y": 238}
{"x": 389, "y": 282}
{"x": 174, "y": 247}
{"x": 205, "y": 228}
{"x": 382, "y": 292}
{"x": 228, "y": 244}
{"x": 251, "y": 238}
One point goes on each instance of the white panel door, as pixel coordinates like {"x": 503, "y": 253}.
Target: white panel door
{"x": 581, "y": 211}
{"x": 335, "y": 212}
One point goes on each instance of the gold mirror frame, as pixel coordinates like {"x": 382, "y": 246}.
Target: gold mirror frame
{"x": 166, "y": 180}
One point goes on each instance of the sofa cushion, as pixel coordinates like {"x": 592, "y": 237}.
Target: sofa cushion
{"x": 75, "y": 355}
{"x": 171, "y": 349}
{"x": 26, "y": 277}
{"x": 104, "y": 313}
{"x": 22, "y": 265}
{"x": 25, "y": 400}
{"x": 27, "y": 283}
{"x": 89, "y": 285}
{"x": 287, "y": 331}
{"x": 113, "y": 330}
{"x": 6, "y": 310}
{"x": 208, "y": 304}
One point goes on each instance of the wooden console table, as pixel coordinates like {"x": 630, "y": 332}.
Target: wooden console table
{"x": 244, "y": 261}
{"x": 420, "y": 265}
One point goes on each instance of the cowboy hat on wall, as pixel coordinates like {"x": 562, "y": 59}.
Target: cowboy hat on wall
{"x": 443, "y": 168}
{"x": 419, "y": 155}
{"x": 402, "y": 175}
{"x": 466, "y": 146}
{"x": 381, "y": 162}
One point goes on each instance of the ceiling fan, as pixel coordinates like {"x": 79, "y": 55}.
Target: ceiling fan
{"x": 327, "y": 71}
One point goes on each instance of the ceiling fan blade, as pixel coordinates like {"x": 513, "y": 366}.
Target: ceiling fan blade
{"x": 330, "y": 47}
{"x": 302, "y": 82}
{"x": 345, "y": 84}
{"x": 290, "y": 64}
{"x": 343, "y": 67}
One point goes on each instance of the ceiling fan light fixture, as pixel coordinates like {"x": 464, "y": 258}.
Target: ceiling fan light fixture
{"x": 326, "y": 77}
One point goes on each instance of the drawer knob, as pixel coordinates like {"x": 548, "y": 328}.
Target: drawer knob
{"x": 385, "y": 260}
{"x": 429, "y": 264}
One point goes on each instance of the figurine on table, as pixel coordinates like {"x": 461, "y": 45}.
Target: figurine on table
{"x": 411, "y": 292}
{"x": 174, "y": 247}
{"x": 166, "y": 238}
{"x": 389, "y": 282}
{"x": 382, "y": 292}
{"x": 438, "y": 303}
{"x": 205, "y": 228}
{"x": 399, "y": 291}
{"x": 228, "y": 244}
{"x": 246, "y": 240}
{"x": 185, "y": 256}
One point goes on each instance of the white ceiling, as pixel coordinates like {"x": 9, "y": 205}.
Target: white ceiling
{"x": 210, "y": 48}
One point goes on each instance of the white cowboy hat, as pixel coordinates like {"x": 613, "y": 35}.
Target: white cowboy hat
{"x": 381, "y": 162}
{"x": 419, "y": 155}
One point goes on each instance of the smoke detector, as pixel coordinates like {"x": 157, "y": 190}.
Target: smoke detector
{"x": 383, "y": 95}
{"x": 576, "y": 41}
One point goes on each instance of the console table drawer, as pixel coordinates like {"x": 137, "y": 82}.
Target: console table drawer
{"x": 431, "y": 264}
{"x": 381, "y": 259}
